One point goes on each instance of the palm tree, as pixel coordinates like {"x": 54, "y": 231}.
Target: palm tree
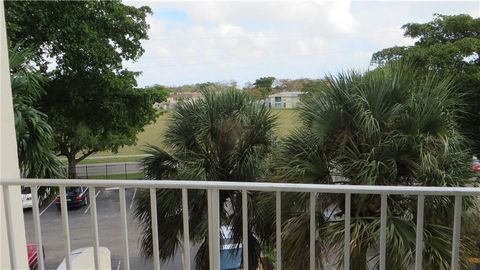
{"x": 384, "y": 127}
{"x": 221, "y": 137}
{"x": 34, "y": 135}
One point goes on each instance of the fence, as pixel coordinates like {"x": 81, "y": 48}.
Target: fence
{"x": 121, "y": 170}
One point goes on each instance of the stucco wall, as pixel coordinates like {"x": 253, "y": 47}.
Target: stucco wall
{"x": 9, "y": 162}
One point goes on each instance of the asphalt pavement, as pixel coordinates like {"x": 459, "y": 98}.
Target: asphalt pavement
{"x": 108, "y": 211}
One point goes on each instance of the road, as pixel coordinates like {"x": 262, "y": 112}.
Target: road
{"x": 109, "y": 229}
{"x": 106, "y": 169}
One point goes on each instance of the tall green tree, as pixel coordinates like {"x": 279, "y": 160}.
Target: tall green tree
{"x": 264, "y": 85}
{"x": 35, "y": 144}
{"x": 385, "y": 127}
{"x": 80, "y": 46}
{"x": 222, "y": 137}
{"x": 450, "y": 45}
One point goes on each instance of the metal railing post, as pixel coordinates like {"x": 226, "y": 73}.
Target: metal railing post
{"x": 123, "y": 215}
{"x": 419, "y": 233}
{"x": 214, "y": 228}
{"x": 37, "y": 227}
{"x": 66, "y": 228}
{"x": 346, "y": 244}
{"x": 278, "y": 228}
{"x": 457, "y": 218}
{"x": 154, "y": 217}
{"x": 94, "y": 220}
{"x": 313, "y": 197}
{"x": 245, "y": 228}
{"x": 186, "y": 232}
{"x": 383, "y": 232}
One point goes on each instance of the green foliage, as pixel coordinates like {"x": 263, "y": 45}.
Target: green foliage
{"x": 157, "y": 93}
{"x": 206, "y": 86}
{"x": 449, "y": 45}
{"x": 310, "y": 87}
{"x": 34, "y": 135}
{"x": 264, "y": 82}
{"x": 385, "y": 127}
{"x": 91, "y": 100}
{"x": 222, "y": 137}
{"x": 264, "y": 86}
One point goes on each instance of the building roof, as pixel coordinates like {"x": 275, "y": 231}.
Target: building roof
{"x": 286, "y": 94}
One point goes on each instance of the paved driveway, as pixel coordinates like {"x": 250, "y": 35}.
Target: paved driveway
{"x": 108, "y": 211}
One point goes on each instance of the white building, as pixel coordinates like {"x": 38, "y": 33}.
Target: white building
{"x": 284, "y": 100}
{"x": 177, "y": 97}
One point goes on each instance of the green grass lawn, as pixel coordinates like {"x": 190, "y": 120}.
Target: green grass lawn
{"x": 110, "y": 159}
{"x": 130, "y": 176}
{"x": 287, "y": 121}
{"x": 153, "y": 134}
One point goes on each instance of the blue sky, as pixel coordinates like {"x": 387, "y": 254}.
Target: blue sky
{"x": 203, "y": 41}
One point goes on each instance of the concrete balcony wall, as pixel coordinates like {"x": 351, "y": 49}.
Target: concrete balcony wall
{"x": 9, "y": 163}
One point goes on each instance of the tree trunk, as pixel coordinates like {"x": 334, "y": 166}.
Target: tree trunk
{"x": 72, "y": 167}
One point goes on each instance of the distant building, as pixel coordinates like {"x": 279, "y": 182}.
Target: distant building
{"x": 177, "y": 97}
{"x": 284, "y": 100}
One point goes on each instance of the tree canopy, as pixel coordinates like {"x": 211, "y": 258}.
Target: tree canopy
{"x": 263, "y": 86}
{"x": 35, "y": 144}
{"x": 224, "y": 136}
{"x": 80, "y": 47}
{"x": 385, "y": 127}
{"x": 451, "y": 46}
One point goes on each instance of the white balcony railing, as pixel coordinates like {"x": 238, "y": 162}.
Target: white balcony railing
{"x": 213, "y": 189}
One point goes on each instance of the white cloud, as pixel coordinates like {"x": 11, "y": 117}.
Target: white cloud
{"x": 340, "y": 15}
{"x": 389, "y": 36}
{"x": 215, "y": 41}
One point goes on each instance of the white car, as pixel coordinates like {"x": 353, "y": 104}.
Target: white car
{"x": 26, "y": 197}
{"x": 82, "y": 258}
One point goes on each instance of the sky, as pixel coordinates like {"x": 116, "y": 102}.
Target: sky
{"x": 199, "y": 41}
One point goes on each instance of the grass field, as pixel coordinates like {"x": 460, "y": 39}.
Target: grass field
{"x": 130, "y": 176}
{"x": 153, "y": 134}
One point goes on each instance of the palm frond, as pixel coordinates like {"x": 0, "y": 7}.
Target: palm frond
{"x": 221, "y": 137}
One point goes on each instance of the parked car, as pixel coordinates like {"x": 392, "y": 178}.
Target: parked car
{"x": 43, "y": 195}
{"x": 26, "y": 197}
{"x": 476, "y": 165}
{"x": 76, "y": 196}
{"x": 231, "y": 254}
{"x": 82, "y": 258}
{"x": 33, "y": 256}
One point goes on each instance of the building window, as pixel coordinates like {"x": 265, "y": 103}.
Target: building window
{"x": 278, "y": 105}
{"x": 278, "y": 99}
{"x": 284, "y": 105}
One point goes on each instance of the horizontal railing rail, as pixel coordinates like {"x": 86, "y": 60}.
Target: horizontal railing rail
{"x": 253, "y": 186}
{"x": 213, "y": 189}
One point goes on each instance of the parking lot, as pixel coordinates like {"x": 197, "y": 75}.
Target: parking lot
{"x": 79, "y": 219}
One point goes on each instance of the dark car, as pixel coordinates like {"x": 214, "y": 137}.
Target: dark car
{"x": 76, "y": 196}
